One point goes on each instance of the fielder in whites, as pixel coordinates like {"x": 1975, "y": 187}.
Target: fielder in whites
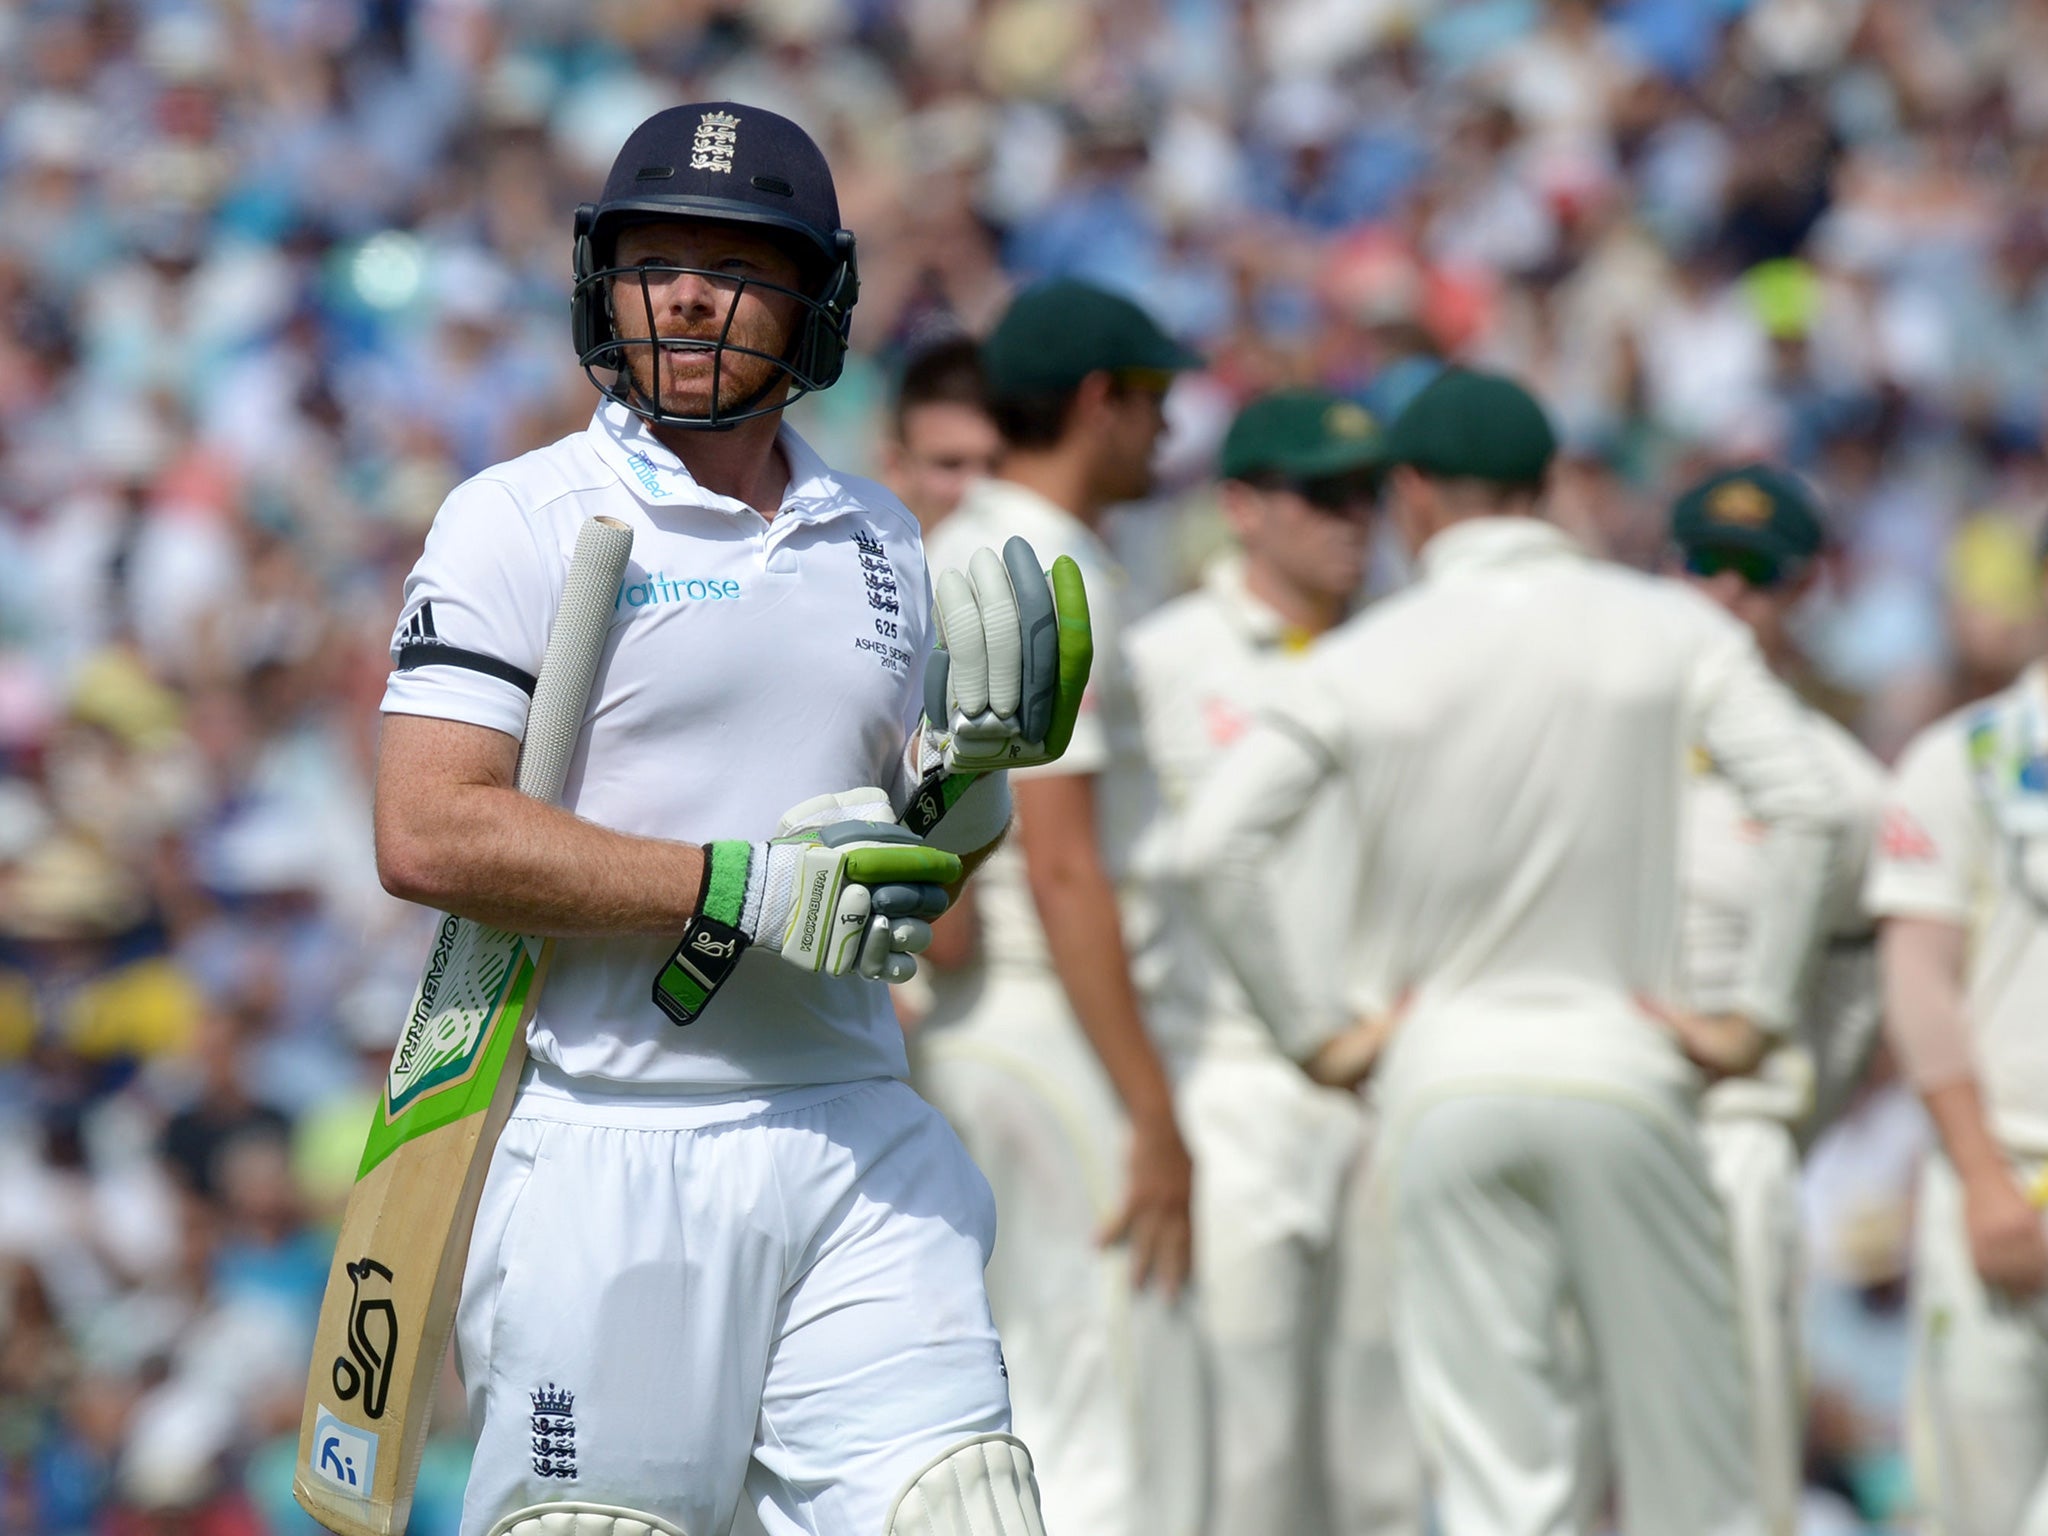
{"x": 1749, "y": 539}
{"x": 724, "y": 1255}
{"x": 1309, "y": 1431}
{"x": 1961, "y": 885}
{"x": 1512, "y": 733}
{"x": 1040, "y": 1057}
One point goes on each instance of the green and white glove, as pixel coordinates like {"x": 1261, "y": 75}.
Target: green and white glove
{"x": 840, "y": 889}
{"x": 1003, "y": 687}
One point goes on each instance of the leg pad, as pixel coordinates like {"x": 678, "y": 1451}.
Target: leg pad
{"x": 981, "y": 1487}
{"x": 575, "y": 1518}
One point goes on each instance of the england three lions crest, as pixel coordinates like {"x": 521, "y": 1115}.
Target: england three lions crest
{"x": 554, "y": 1432}
{"x": 718, "y": 135}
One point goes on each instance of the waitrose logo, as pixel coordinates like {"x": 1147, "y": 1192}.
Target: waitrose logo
{"x": 659, "y": 589}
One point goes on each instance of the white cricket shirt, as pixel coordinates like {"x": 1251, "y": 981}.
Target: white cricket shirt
{"x": 1965, "y": 840}
{"x": 1721, "y": 873}
{"x": 1108, "y": 740}
{"x": 1512, "y": 733}
{"x": 1202, "y": 665}
{"x": 751, "y": 665}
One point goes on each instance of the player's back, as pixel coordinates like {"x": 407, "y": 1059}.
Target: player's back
{"x": 1517, "y": 724}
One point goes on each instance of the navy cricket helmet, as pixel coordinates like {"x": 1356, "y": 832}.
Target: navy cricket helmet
{"x": 724, "y": 162}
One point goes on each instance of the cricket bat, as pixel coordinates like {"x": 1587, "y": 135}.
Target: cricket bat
{"x": 397, "y": 1269}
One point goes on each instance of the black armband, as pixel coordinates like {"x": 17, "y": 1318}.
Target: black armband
{"x": 420, "y": 646}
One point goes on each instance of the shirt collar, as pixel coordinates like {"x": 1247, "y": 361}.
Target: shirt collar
{"x": 651, "y": 471}
{"x": 1490, "y": 543}
{"x": 1255, "y": 618}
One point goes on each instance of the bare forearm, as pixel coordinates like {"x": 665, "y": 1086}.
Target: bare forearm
{"x": 1922, "y": 964}
{"x": 1927, "y": 1015}
{"x": 491, "y": 854}
{"x": 972, "y": 861}
{"x": 956, "y": 936}
{"x": 1077, "y": 907}
{"x": 1957, "y": 1110}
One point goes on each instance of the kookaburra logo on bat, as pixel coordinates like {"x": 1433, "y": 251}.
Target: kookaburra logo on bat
{"x": 372, "y": 1338}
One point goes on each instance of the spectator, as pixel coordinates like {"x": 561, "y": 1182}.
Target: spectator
{"x": 943, "y": 439}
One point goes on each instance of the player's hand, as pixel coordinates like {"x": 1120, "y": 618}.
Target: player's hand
{"x": 845, "y": 889}
{"x": 839, "y": 888}
{"x": 1156, "y": 1220}
{"x": 2008, "y": 1244}
{"x": 1347, "y": 1059}
{"x": 1719, "y": 1044}
{"x": 1003, "y": 689}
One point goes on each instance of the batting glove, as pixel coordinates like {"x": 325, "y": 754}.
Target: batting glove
{"x": 1003, "y": 687}
{"x": 839, "y": 889}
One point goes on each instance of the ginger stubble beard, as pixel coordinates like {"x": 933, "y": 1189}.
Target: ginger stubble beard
{"x": 679, "y": 381}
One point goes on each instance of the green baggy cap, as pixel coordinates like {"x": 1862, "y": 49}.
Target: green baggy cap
{"x": 1055, "y": 334}
{"x": 1753, "y": 509}
{"x": 1302, "y": 434}
{"x": 1464, "y": 425}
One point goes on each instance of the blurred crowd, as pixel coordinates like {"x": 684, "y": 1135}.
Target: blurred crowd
{"x": 276, "y": 274}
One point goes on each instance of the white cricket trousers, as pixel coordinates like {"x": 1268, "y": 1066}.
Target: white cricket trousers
{"x": 1310, "y": 1431}
{"x": 1106, "y": 1381}
{"x": 1754, "y": 1162}
{"x": 1516, "y": 1213}
{"x": 674, "y": 1307}
{"x": 1978, "y": 1426}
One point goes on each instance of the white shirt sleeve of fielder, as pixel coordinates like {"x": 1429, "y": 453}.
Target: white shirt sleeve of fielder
{"x": 1862, "y": 781}
{"x": 1752, "y": 728}
{"x": 1934, "y": 841}
{"x": 1232, "y": 833}
{"x": 483, "y": 588}
{"x": 1847, "y": 1008}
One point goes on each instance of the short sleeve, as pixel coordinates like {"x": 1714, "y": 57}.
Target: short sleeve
{"x": 1931, "y": 839}
{"x": 475, "y": 617}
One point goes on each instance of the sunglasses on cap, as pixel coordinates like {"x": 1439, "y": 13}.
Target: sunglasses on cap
{"x": 1756, "y": 570}
{"x": 1148, "y": 381}
{"x": 1354, "y": 493}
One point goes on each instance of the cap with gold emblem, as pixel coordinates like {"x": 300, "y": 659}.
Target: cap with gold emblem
{"x": 1465, "y": 425}
{"x": 1299, "y": 435}
{"x": 1755, "y": 519}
